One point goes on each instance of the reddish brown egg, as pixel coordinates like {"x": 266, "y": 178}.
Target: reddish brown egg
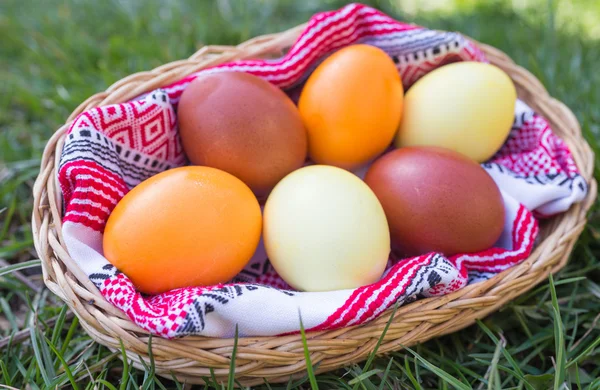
{"x": 243, "y": 125}
{"x": 437, "y": 200}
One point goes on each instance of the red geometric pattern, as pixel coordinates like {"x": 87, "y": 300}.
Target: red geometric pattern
{"x": 534, "y": 149}
{"x": 160, "y": 314}
{"x": 272, "y": 279}
{"x": 147, "y": 126}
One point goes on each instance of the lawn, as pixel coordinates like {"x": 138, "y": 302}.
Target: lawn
{"x": 54, "y": 54}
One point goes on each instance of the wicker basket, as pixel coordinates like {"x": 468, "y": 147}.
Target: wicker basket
{"x": 276, "y": 358}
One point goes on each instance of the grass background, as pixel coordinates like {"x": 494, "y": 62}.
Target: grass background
{"x": 54, "y": 54}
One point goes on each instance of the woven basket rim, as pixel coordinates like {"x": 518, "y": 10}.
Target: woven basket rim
{"x": 276, "y": 358}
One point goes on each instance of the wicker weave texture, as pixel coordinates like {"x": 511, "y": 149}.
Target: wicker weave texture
{"x": 276, "y": 358}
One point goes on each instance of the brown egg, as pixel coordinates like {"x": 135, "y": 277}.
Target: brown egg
{"x": 243, "y": 125}
{"x": 437, "y": 200}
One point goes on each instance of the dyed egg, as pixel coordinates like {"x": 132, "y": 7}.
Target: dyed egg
{"x": 324, "y": 229}
{"x": 351, "y": 106}
{"x": 189, "y": 226}
{"x": 465, "y": 106}
{"x": 243, "y": 125}
{"x": 437, "y": 200}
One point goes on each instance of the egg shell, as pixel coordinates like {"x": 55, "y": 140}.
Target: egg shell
{"x": 465, "y": 106}
{"x": 437, "y": 200}
{"x": 351, "y": 106}
{"x": 324, "y": 230}
{"x": 188, "y": 226}
{"x": 243, "y": 125}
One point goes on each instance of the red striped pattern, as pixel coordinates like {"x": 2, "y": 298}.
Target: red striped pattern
{"x": 364, "y": 301}
{"x": 525, "y": 229}
{"x": 91, "y": 193}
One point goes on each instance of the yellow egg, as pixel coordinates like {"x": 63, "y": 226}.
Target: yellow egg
{"x": 324, "y": 230}
{"x": 465, "y": 106}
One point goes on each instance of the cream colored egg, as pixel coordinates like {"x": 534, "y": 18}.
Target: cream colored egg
{"x": 324, "y": 230}
{"x": 465, "y": 106}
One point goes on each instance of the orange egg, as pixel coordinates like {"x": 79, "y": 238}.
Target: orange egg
{"x": 351, "y": 106}
{"x": 188, "y": 226}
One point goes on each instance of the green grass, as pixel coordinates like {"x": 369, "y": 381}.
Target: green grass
{"x": 55, "y": 54}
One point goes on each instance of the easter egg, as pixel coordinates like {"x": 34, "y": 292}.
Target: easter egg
{"x": 324, "y": 229}
{"x": 351, "y": 106}
{"x": 437, "y": 200}
{"x": 188, "y": 226}
{"x": 243, "y": 125}
{"x": 465, "y": 106}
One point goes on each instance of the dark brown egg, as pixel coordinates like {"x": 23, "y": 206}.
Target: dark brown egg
{"x": 437, "y": 200}
{"x": 243, "y": 125}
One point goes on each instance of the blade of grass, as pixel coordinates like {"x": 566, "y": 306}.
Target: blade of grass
{"x": 214, "y": 378}
{"x": 439, "y": 372}
{"x": 585, "y": 352}
{"x": 309, "y": 367}
{"x": 366, "y": 384}
{"x": 149, "y": 372}
{"x": 126, "y": 369}
{"x": 58, "y": 325}
{"x": 5, "y": 373}
{"x": 21, "y": 367}
{"x": 230, "y": 379}
{"x": 459, "y": 368}
{"x": 595, "y": 385}
{"x": 133, "y": 382}
{"x": 493, "y": 369}
{"x": 408, "y": 372}
{"x": 39, "y": 355}
{"x": 177, "y": 383}
{"x": 373, "y": 354}
{"x": 8, "y": 214}
{"x": 98, "y": 366}
{"x": 69, "y": 335}
{"x": 559, "y": 339}
{"x": 574, "y": 344}
{"x": 8, "y": 313}
{"x": 577, "y": 380}
{"x": 386, "y": 373}
{"x": 159, "y": 383}
{"x": 507, "y": 355}
{"x": 267, "y": 384}
{"x": 417, "y": 366}
{"x": 289, "y": 384}
{"x": 33, "y": 369}
{"x": 574, "y": 330}
{"x": 558, "y": 283}
{"x": 20, "y": 266}
{"x": 64, "y": 363}
{"x": 106, "y": 384}
{"x": 59, "y": 381}
{"x": 358, "y": 379}
{"x": 21, "y": 278}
